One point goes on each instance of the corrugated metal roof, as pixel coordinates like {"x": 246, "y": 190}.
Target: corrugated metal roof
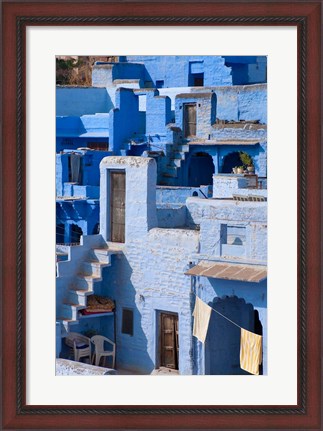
{"x": 229, "y": 271}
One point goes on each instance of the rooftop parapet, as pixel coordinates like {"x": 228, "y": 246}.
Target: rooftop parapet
{"x": 226, "y": 186}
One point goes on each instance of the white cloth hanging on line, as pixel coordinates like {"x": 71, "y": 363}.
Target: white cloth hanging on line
{"x": 202, "y": 314}
{"x": 250, "y": 351}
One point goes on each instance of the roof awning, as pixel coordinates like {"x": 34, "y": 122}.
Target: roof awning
{"x": 229, "y": 271}
{"x": 234, "y": 142}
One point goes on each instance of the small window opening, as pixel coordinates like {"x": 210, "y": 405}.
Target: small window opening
{"x": 127, "y": 321}
{"x": 160, "y": 83}
{"x": 198, "y": 79}
{"x": 233, "y": 235}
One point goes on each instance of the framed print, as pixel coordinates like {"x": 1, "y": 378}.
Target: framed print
{"x": 181, "y": 143}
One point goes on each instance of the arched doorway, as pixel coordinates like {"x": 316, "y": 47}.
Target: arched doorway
{"x": 222, "y": 345}
{"x": 200, "y": 170}
{"x": 230, "y": 161}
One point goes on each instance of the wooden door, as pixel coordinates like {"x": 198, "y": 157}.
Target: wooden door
{"x": 190, "y": 119}
{"x": 169, "y": 351}
{"x": 117, "y": 205}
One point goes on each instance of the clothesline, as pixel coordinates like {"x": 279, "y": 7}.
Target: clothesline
{"x": 225, "y": 317}
{"x": 250, "y": 343}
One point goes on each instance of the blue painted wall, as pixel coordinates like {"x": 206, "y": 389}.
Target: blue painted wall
{"x": 178, "y": 71}
{"x": 82, "y": 213}
{"x": 246, "y": 69}
{"x": 103, "y": 74}
{"x": 182, "y": 71}
{"x": 205, "y": 111}
{"x": 82, "y": 207}
{"x": 210, "y": 215}
{"x": 125, "y": 120}
{"x": 73, "y": 132}
{"x": 90, "y": 162}
{"x": 158, "y": 114}
{"x": 149, "y": 276}
{"x": 77, "y": 101}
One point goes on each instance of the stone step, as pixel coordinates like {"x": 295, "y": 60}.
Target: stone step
{"x": 101, "y": 255}
{"x": 71, "y": 310}
{"x": 93, "y": 268}
{"x": 79, "y": 296}
{"x": 66, "y": 322}
{"x": 89, "y": 278}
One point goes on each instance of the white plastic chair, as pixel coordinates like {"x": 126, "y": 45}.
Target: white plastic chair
{"x": 100, "y": 352}
{"x": 81, "y": 345}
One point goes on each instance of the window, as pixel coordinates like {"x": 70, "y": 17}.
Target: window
{"x": 127, "y": 321}
{"x": 235, "y": 235}
{"x": 75, "y": 168}
{"x": 160, "y": 83}
{"x": 233, "y": 240}
{"x": 198, "y": 79}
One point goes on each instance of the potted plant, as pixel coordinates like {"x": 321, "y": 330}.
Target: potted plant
{"x": 247, "y": 161}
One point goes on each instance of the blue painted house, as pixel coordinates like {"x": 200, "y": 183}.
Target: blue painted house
{"x": 77, "y": 194}
{"x": 153, "y": 273}
{"x": 166, "y": 217}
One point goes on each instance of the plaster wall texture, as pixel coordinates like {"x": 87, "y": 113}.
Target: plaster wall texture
{"x": 124, "y": 71}
{"x": 77, "y": 101}
{"x": 96, "y": 123}
{"x": 90, "y": 162}
{"x": 89, "y": 192}
{"x": 74, "y": 132}
{"x": 67, "y": 270}
{"x": 65, "y": 367}
{"x": 176, "y": 71}
{"x": 83, "y": 213}
{"x": 210, "y": 214}
{"x": 205, "y": 111}
{"x": 242, "y": 132}
{"x": 171, "y": 215}
{"x": 178, "y": 195}
{"x": 247, "y": 69}
{"x": 258, "y": 152}
{"x": 224, "y": 186}
{"x": 140, "y": 176}
{"x": 149, "y": 278}
{"x": 103, "y": 75}
{"x": 238, "y": 102}
{"x": 253, "y": 293}
{"x": 158, "y": 114}
{"x": 125, "y": 120}
{"x": 242, "y": 102}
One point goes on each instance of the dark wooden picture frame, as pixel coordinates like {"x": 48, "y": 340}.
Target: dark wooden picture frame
{"x": 16, "y": 17}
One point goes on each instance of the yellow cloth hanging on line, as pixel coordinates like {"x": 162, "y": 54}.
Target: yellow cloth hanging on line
{"x": 250, "y": 351}
{"x": 201, "y": 313}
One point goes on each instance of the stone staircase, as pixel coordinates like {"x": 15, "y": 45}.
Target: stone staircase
{"x": 173, "y": 164}
{"x": 82, "y": 284}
